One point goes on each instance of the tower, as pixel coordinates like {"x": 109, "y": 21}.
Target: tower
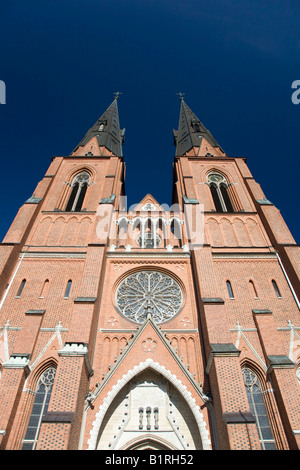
{"x": 153, "y": 327}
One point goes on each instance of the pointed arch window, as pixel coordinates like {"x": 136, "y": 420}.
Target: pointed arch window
{"x": 68, "y": 289}
{"x": 20, "y": 290}
{"x": 219, "y": 191}
{"x": 257, "y": 407}
{"x": 39, "y": 409}
{"x": 276, "y": 289}
{"x": 45, "y": 289}
{"x": 79, "y": 187}
{"x": 253, "y": 289}
{"x": 229, "y": 288}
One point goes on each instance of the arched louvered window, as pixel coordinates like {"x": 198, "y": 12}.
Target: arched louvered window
{"x": 20, "y": 290}
{"x": 219, "y": 191}
{"x": 39, "y": 409}
{"x": 79, "y": 188}
{"x": 276, "y": 289}
{"x": 257, "y": 407}
{"x": 229, "y": 288}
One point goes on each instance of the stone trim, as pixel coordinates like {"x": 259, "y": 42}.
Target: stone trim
{"x": 33, "y": 200}
{"x": 224, "y": 349}
{"x": 89, "y": 300}
{"x": 279, "y": 362}
{"x": 149, "y": 363}
{"x": 171, "y": 350}
{"x": 18, "y": 361}
{"x": 167, "y": 331}
{"x": 57, "y": 211}
{"x": 221, "y": 350}
{"x": 35, "y": 312}
{"x": 244, "y": 255}
{"x": 264, "y": 202}
{"x": 117, "y": 330}
{"x": 265, "y": 312}
{"x": 76, "y": 350}
{"x": 46, "y": 254}
{"x": 239, "y": 417}
{"x": 58, "y": 417}
{"x": 108, "y": 200}
{"x": 73, "y": 349}
{"x": 187, "y": 200}
{"x": 147, "y": 254}
{"x": 213, "y": 300}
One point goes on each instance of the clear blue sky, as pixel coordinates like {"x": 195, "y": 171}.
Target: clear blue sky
{"x": 235, "y": 61}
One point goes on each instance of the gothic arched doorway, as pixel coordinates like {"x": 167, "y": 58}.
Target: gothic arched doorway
{"x": 149, "y": 412}
{"x": 148, "y": 443}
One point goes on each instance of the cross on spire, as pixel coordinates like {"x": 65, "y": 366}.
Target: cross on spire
{"x": 116, "y": 95}
{"x": 181, "y": 95}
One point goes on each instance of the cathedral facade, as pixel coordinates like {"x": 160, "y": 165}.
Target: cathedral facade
{"x": 149, "y": 327}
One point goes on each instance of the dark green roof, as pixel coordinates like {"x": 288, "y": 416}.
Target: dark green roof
{"x": 190, "y": 131}
{"x": 107, "y": 131}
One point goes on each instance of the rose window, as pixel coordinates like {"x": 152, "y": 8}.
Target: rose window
{"x": 149, "y": 293}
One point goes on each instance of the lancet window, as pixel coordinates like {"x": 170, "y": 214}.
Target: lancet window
{"x": 253, "y": 289}
{"x": 68, "y": 289}
{"x": 20, "y": 290}
{"x": 219, "y": 191}
{"x": 229, "y": 288}
{"x": 39, "y": 409}
{"x": 79, "y": 187}
{"x": 45, "y": 289}
{"x": 257, "y": 407}
{"x": 276, "y": 289}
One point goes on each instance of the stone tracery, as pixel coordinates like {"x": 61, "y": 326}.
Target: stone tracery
{"x": 149, "y": 293}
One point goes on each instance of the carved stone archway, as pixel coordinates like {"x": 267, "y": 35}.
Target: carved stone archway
{"x": 192, "y": 407}
{"x": 148, "y": 442}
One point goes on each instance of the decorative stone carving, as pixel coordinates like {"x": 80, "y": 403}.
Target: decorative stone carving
{"x": 149, "y": 345}
{"x": 149, "y": 293}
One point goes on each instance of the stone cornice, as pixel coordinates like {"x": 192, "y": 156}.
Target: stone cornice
{"x": 147, "y": 255}
{"x": 55, "y": 254}
{"x": 242, "y": 255}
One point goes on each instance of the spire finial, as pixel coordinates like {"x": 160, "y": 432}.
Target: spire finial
{"x": 116, "y": 95}
{"x": 181, "y": 95}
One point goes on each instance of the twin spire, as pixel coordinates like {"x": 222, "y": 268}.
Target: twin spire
{"x": 191, "y": 138}
{"x": 106, "y": 131}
